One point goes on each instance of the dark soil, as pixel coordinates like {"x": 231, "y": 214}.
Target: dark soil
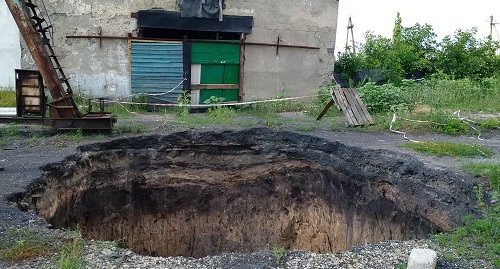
{"x": 371, "y": 169}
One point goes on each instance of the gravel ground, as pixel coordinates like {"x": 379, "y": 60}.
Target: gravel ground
{"x": 21, "y": 159}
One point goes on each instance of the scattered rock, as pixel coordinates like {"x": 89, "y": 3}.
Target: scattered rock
{"x": 422, "y": 259}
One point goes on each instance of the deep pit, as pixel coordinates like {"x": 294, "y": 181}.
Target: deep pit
{"x": 197, "y": 194}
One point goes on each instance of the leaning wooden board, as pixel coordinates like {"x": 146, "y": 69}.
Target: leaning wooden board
{"x": 353, "y": 108}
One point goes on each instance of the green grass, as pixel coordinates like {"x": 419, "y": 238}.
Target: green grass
{"x": 449, "y": 149}
{"x": 9, "y": 132}
{"x": 479, "y": 238}
{"x": 455, "y": 94}
{"x": 221, "y": 115}
{"x": 20, "y": 243}
{"x": 74, "y": 135}
{"x": 23, "y": 243}
{"x": 279, "y": 252}
{"x": 275, "y": 106}
{"x": 71, "y": 254}
{"x": 7, "y": 98}
{"x": 487, "y": 170}
{"x": 440, "y": 121}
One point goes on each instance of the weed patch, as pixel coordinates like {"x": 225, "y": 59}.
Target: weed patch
{"x": 479, "y": 238}
{"x": 72, "y": 253}
{"x": 11, "y": 130}
{"x": 449, "y": 149}
{"x": 23, "y": 243}
{"x": 184, "y": 99}
{"x": 381, "y": 98}
{"x": 487, "y": 170}
{"x": 455, "y": 94}
{"x": 219, "y": 114}
{"x": 74, "y": 135}
{"x": 279, "y": 252}
{"x": 7, "y": 98}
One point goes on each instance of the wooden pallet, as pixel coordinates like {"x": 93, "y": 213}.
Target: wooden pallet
{"x": 347, "y": 100}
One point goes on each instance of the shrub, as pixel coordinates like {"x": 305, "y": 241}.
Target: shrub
{"x": 382, "y": 98}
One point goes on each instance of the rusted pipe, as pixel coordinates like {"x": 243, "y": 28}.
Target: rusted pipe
{"x": 97, "y": 36}
{"x": 197, "y": 40}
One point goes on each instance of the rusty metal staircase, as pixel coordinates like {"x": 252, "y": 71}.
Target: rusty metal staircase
{"x": 43, "y": 26}
{"x": 34, "y": 28}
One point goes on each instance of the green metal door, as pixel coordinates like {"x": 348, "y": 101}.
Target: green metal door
{"x": 215, "y": 53}
{"x": 219, "y": 65}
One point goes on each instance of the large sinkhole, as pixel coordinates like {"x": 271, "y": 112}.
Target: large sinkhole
{"x": 205, "y": 193}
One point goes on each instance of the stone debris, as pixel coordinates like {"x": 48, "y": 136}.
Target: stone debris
{"x": 386, "y": 254}
{"x": 422, "y": 259}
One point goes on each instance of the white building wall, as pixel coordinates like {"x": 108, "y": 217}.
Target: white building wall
{"x": 10, "y": 48}
{"x": 104, "y": 71}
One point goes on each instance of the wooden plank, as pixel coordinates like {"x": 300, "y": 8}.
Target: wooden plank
{"x": 348, "y": 109}
{"x": 352, "y": 106}
{"x": 344, "y": 105}
{"x": 358, "y": 104}
{"x": 242, "y": 69}
{"x": 214, "y": 86}
{"x": 363, "y": 107}
{"x": 335, "y": 100}
{"x": 348, "y": 101}
{"x": 325, "y": 109}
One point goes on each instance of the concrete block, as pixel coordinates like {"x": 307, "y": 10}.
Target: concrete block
{"x": 422, "y": 259}
{"x": 8, "y": 111}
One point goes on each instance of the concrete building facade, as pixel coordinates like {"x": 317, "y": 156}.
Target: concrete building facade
{"x": 104, "y": 67}
{"x": 10, "y": 50}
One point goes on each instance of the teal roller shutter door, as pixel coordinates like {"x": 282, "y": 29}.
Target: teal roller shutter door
{"x": 157, "y": 68}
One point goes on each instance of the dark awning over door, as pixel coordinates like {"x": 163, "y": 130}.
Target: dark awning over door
{"x": 162, "y": 19}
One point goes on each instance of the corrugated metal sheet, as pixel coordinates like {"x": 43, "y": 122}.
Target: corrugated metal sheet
{"x": 156, "y": 68}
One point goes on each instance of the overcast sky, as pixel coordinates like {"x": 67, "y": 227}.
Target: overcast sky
{"x": 445, "y": 16}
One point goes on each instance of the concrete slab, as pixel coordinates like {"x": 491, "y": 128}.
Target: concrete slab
{"x": 7, "y": 111}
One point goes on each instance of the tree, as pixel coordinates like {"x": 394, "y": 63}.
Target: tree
{"x": 348, "y": 64}
{"x": 462, "y": 56}
{"x": 398, "y": 28}
{"x": 379, "y": 54}
{"x": 416, "y": 50}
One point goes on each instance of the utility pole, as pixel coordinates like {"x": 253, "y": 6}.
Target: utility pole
{"x": 492, "y": 24}
{"x": 350, "y": 27}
